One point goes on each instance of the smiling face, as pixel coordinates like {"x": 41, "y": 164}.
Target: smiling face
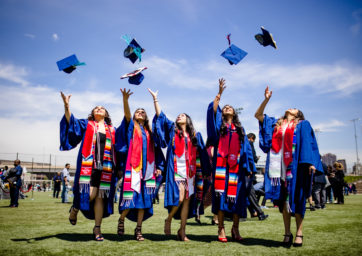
{"x": 228, "y": 110}
{"x": 99, "y": 113}
{"x": 140, "y": 115}
{"x": 292, "y": 111}
{"x": 181, "y": 119}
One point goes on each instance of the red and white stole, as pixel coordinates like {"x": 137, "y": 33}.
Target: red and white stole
{"x": 228, "y": 156}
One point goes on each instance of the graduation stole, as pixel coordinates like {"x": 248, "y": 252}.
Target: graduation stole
{"x": 199, "y": 178}
{"x": 228, "y": 156}
{"x": 134, "y": 166}
{"x": 89, "y": 162}
{"x": 181, "y": 147}
{"x": 277, "y": 141}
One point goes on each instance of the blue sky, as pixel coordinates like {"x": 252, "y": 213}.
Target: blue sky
{"x": 316, "y": 68}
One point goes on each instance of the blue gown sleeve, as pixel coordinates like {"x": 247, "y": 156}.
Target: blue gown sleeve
{"x": 204, "y": 157}
{"x": 123, "y": 135}
{"x": 162, "y": 129}
{"x": 214, "y": 122}
{"x": 249, "y": 156}
{"x": 71, "y": 134}
{"x": 309, "y": 153}
{"x": 266, "y": 133}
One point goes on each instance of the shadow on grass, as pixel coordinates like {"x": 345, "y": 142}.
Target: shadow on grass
{"x": 76, "y": 237}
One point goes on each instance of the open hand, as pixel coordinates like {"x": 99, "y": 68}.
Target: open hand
{"x": 267, "y": 93}
{"x": 65, "y": 98}
{"x": 126, "y": 93}
{"x": 222, "y": 85}
{"x": 154, "y": 94}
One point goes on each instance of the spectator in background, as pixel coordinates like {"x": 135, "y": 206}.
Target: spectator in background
{"x": 329, "y": 190}
{"x": 319, "y": 191}
{"x": 13, "y": 176}
{"x": 339, "y": 184}
{"x": 65, "y": 181}
{"x": 57, "y": 182}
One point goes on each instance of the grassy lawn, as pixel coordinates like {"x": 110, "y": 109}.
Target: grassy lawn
{"x": 41, "y": 227}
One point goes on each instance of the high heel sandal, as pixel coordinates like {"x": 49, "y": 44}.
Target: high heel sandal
{"x": 120, "y": 227}
{"x": 98, "y": 236}
{"x": 298, "y": 244}
{"x": 138, "y": 234}
{"x": 198, "y": 221}
{"x": 74, "y": 211}
{"x": 167, "y": 228}
{"x": 289, "y": 242}
{"x": 221, "y": 239}
{"x": 180, "y": 238}
{"x": 234, "y": 236}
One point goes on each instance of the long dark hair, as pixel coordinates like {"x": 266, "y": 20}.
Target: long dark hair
{"x": 146, "y": 124}
{"x": 189, "y": 129}
{"x": 107, "y": 117}
{"x": 299, "y": 117}
{"x": 235, "y": 121}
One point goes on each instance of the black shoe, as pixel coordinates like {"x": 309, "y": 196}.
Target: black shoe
{"x": 312, "y": 208}
{"x": 263, "y": 217}
{"x": 298, "y": 245}
{"x": 198, "y": 221}
{"x": 290, "y": 241}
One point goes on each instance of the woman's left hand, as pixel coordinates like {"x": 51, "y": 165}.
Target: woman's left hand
{"x": 312, "y": 169}
{"x": 158, "y": 172}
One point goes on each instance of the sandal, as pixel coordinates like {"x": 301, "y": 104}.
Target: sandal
{"x": 73, "y": 211}
{"x": 138, "y": 234}
{"x": 289, "y": 242}
{"x": 234, "y": 236}
{"x": 180, "y": 238}
{"x": 98, "y": 235}
{"x": 167, "y": 228}
{"x": 298, "y": 244}
{"x": 120, "y": 228}
{"x": 221, "y": 239}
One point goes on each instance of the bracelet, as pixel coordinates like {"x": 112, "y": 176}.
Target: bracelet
{"x": 155, "y": 101}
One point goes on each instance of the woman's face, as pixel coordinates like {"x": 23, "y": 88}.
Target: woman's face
{"x": 99, "y": 112}
{"x": 140, "y": 115}
{"x": 228, "y": 110}
{"x": 181, "y": 119}
{"x": 292, "y": 111}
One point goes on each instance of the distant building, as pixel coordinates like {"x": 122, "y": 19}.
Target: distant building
{"x": 329, "y": 159}
{"x": 343, "y": 162}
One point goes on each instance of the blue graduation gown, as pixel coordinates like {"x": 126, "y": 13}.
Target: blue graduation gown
{"x": 70, "y": 136}
{"x": 306, "y": 154}
{"x": 141, "y": 200}
{"x": 246, "y": 167}
{"x": 164, "y": 130}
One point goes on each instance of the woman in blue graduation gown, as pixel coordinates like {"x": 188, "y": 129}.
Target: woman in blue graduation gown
{"x": 233, "y": 164}
{"x": 140, "y": 164}
{"x": 185, "y": 154}
{"x": 95, "y": 177}
{"x": 292, "y": 158}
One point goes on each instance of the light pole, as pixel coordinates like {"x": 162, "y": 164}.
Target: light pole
{"x": 355, "y": 137}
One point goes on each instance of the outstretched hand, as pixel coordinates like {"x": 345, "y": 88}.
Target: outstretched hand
{"x": 222, "y": 86}
{"x": 65, "y": 98}
{"x": 267, "y": 93}
{"x": 126, "y": 93}
{"x": 154, "y": 94}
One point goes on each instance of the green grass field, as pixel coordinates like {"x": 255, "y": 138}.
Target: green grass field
{"x": 41, "y": 227}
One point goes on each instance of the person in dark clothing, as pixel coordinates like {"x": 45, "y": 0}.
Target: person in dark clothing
{"x": 254, "y": 207}
{"x": 329, "y": 190}
{"x": 339, "y": 183}
{"x": 57, "y": 182}
{"x": 318, "y": 190}
{"x": 13, "y": 176}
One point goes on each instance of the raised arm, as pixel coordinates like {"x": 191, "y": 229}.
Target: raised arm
{"x": 127, "y": 111}
{"x": 155, "y": 101}
{"x": 259, "y": 114}
{"x": 222, "y": 87}
{"x": 66, "y": 106}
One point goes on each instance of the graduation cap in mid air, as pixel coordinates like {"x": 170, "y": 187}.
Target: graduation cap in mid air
{"x": 266, "y": 38}
{"x": 135, "y": 77}
{"x": 133, "y": 50}
{"x": 233, "y": 54}
{"x": 69, "y": 64}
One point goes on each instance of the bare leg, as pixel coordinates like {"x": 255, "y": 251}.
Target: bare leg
{"x": 168, "y": 220}
{"x": 98, "y": 215}
{"x": 138, "y": 232}
{"x": 184, "y": 214}
{"x": 235, "y": 229}
{"x": 93, "y": 193}
{"x": 286, "y": 219}
{"x": 220, "y": 216}
{"x": 299, "y": 234}
{"x": 120, "y": 227}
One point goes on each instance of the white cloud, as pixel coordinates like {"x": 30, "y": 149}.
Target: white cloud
{"x": 329, "y": 126}
{"x": 31, "y": 36}
{"x": 14, "y": 74}
{"x": 55, "y": 37}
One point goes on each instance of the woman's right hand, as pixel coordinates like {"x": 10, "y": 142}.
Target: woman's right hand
{"x": 126, "y": 93}
{"x": 267, "y": 93}
{"x": 222, "y": 86}
{"x": 154, "y": 94}
{"x": 65, "y": 99}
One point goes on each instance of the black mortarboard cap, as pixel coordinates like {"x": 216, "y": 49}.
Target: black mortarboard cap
{"x": 135, "y": 77}
{"x": 234, "y": 54}
{"x": 68, "y": 65}
{"x": 266, "y": 38}
{"x": 133, "y": 51}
